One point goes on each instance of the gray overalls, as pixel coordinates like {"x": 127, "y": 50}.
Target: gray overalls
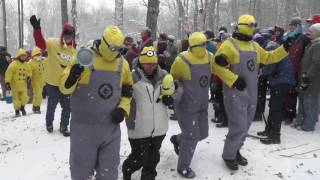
{"x": 241, "y": 106}
{"x": 192, "y": 111}
{"x": 95, "y": 139}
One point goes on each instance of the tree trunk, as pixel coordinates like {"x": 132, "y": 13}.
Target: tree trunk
{"x": 218, "y": 15}
{"x": 195, "y": 16}
{"x": 22, "y": 28}
{"x": 4, "y": 16}
{"x": 75, "y": 21}
{"x": 152, "y": 16}
{"x": 64, "y": 11}
{"x": 19, "y": 23}
{"x": 212, "y": 16}
{"x": 118, "y": 13}
{"x": 258, "y": 10}
{"x": 180, "y": 18}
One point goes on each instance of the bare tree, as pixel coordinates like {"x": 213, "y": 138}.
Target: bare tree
{"x": 64, "y": 11}
{"x": 118, "y": 13}
{"x": 195, "y": 15}
{"x": 74, "y": 15}
{"x": 152, "y": 16}
{"x": 4, "y": 17}
{"x": 217, "y": 15}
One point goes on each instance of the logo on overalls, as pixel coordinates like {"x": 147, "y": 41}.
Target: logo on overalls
{"x": 251, "y": 65}
{"x": 105, "y": 91}
{"x": 204, "y": 81}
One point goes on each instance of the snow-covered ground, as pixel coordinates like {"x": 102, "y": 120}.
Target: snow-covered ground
{"x": 28, "y": 152}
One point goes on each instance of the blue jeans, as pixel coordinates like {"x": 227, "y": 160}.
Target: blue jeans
{"x": 55, "y": 96}
{"x": 307, "y": 111}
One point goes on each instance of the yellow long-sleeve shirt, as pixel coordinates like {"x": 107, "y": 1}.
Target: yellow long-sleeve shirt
{"x": 181, "y": 71}
{"x": 100, "y": 64}
{"x": 58, "y": 58}
{"x": 263, "y": 56}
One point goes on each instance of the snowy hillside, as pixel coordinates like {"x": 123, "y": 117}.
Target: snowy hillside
{"x": 28, "y": 152}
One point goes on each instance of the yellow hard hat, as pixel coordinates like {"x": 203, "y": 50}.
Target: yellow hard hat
{"x": 21, "y": 52}
{"x": 113, "y": 36}
{"x": 197, "y": 38}
{"x": 111, "y": 43}
{"x": 148, "y": 55}
{"x": 246, "y": 25}
{"x": 35, "y": 51}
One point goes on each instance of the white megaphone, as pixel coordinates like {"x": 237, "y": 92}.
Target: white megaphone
{"x": 85, "y": 57}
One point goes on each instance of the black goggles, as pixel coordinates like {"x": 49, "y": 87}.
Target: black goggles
{"x": 200, "y": 45}
{"x": 113, "y": 48}
{"x": 249, "y": 24}
{"x": 149, "y": 54}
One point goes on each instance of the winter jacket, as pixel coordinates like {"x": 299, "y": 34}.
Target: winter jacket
{"x": 4, "y": 62}
{"x": 280, "y": 72}
{"x": 311, "y": 66}
{"x": 212, "y": 47}
{"x": 17, "y": 74}
{"x": 297, "y": 50}
{"x": 148, "y": 118}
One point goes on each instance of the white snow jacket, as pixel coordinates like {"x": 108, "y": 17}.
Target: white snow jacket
{"x": 148, "y": 118}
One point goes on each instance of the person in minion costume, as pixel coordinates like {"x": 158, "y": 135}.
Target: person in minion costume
{"x": 60, "y": 53}
{"x": 37, "y": 65}
{"x": 100, "y": 99}
{"x": 148, "y": 121}
{"x": 192, "y": 69}
{"x": 17, "y": 75}
{"x": 242, "y": 56}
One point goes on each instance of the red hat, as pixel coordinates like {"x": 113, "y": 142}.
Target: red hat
{"x": 314, "y": 19}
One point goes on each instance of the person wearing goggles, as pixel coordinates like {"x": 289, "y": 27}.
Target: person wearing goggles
{"x": 101, "y": 97}
{"x": 241, "y": 56}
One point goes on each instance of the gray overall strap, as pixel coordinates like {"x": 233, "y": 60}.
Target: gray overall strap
{"x": 120, "y": 65}
{"x": 235, "y": 45}
{"x": 184, "y": 59}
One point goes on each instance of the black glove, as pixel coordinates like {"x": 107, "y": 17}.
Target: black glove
{"x": 75, "y": 73}
{"x": 35, "y": 22}
{"x": 167, "y": 100}
{"x": 8, "y": 87}
{"x": 288, "y": 43}
{"x": 239, "y": 84}
{"x": 126, "y": 91}
{"x": 221, "y": 60}
{"x": 117, "y": 115}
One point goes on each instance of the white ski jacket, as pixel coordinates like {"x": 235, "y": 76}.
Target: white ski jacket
{"x": 148, "y": 118}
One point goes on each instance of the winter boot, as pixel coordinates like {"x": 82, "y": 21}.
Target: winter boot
{"x": 23, "y": 111}
{"x": 241, "y": 160}
{"x": 126, "y": 176}
{"x": 231, "y": 164}
{"x": 175, "y": 143}
{"x": 262, "y": 133}
{"x": 271, "y": 140}
{"x": 17, "y": 113}
{"x": 223, "y": 124}
{"x": 64, "y": 131}
{"x": 187, "y": 173}
{"x": 36, "y": 109}
{"x": 173, "y": 117}
{"x": 49, "y": 128}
